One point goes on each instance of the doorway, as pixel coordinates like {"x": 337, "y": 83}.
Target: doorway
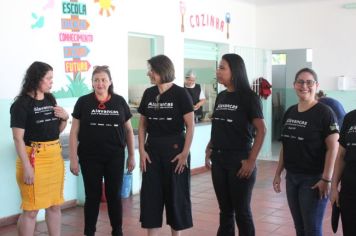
{"x": 202, "y": 58}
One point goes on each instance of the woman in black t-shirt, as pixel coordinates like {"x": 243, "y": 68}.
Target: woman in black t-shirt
{"x": 309, "y": 146}
{"x": 237, "y": 134}
{"x": 165, "y": 135}
{"x": 36, "y": 122}
{"x": 100, "y": 131}
{"x": 345, "y": 174}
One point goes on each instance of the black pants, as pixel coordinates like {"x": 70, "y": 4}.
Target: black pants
{"x": 162, "y": 187}
{"x": 233, "y": 194}
{"x": 93, "y": 171}
{"x": 348, "y": 200}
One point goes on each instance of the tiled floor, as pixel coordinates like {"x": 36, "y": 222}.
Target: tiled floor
{"x": 270, "y": 211}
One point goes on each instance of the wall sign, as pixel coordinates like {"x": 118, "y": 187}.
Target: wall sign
{"x": 74, "y": 51}
{"x": 204, "y": 20}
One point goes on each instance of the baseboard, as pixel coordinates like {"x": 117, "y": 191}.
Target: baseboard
{"x": 198, "y": 170}
{"x": 69, "y": 204}
{"x": 10, "y": 220}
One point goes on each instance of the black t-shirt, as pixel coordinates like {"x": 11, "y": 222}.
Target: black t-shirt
{"x": 348, "y": 136}
{"x": 36, "y": 117}
{"x": 232, "y": 127}
{"x": 102, "y": 131}
{"x": 303, "y": 136}
{"x": 165, "y": 115}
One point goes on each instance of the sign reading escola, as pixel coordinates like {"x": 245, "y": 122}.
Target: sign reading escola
{"x": 74, "y": 8}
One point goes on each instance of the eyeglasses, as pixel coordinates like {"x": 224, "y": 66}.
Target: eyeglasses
{"x": 157, "y": 99}
{"x": 301, "y": 82}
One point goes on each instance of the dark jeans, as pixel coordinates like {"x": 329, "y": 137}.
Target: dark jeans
{"x": 93, "y": 172}
{"x": 305, "y": 204}
{"x": 233, "y": 194}
{"x": 348, "y": 199}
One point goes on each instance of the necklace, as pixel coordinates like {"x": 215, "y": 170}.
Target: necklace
{"x": 101, "y": 104}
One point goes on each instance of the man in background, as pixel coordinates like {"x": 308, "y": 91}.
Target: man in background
{"x": 196, "y": 93}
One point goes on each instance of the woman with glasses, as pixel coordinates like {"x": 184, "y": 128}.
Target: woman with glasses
{"x": 345, "y": 175}
{"x": 36, "y": 123}
{"x": 165, "y": 134}
{"x": 309, "y": 147}
{"x": 101, "y": 129}
{"x": 237, "y": 134}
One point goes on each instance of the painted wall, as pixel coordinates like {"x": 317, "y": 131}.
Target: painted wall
{"x": 323, "y": 26}
{"x": 31, "y": 29}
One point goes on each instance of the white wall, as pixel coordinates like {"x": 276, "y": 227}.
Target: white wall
{"x": 324, "y": 27}
{"x": 20, "y": 45}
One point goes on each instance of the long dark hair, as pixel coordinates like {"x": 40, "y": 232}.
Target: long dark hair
{"x": 32, "y": 79}
{"x": 163, "y": 66}
{"x": 105, "y": 69}
{"x": 239, "y": 76}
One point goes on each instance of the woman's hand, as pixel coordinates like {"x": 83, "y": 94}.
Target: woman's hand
{"x": 246, "y": 169}
{"x": 60, "y": 113}
{"x": 74, "y": 167}
{"x": 323, "y": 187}
{"x": 130, "y": 163}
{"x": 208, "y": 158}
{"x": 277, "y": 183}
{"x": 181, "y": 162}
{"x": 28, "y": 175}
{"x": 143, "y": 158}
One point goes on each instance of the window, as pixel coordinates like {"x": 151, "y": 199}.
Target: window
{"x": 279, "y": 59}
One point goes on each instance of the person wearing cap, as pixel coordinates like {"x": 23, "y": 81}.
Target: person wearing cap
{"x": 196, "y": 93}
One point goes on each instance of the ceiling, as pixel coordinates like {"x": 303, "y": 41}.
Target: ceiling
{"x": 279, "y": 2}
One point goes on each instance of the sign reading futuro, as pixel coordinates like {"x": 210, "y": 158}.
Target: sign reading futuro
{"x": 205, "y": 20}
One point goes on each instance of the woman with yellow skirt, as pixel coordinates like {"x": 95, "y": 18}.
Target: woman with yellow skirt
{"x": 36, "y": 123}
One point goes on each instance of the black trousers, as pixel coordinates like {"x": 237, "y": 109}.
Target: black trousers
{"x": 233, "y": 194}
{"x": 162, "y": 187}
{"x": 348, "y": 200}
{"x": 93, "y": 171}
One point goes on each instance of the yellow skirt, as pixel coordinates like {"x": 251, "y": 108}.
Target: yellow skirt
{"x": 47, "y": 189}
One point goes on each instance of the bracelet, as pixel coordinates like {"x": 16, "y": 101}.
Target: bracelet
{"x": 325, "y": 180}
